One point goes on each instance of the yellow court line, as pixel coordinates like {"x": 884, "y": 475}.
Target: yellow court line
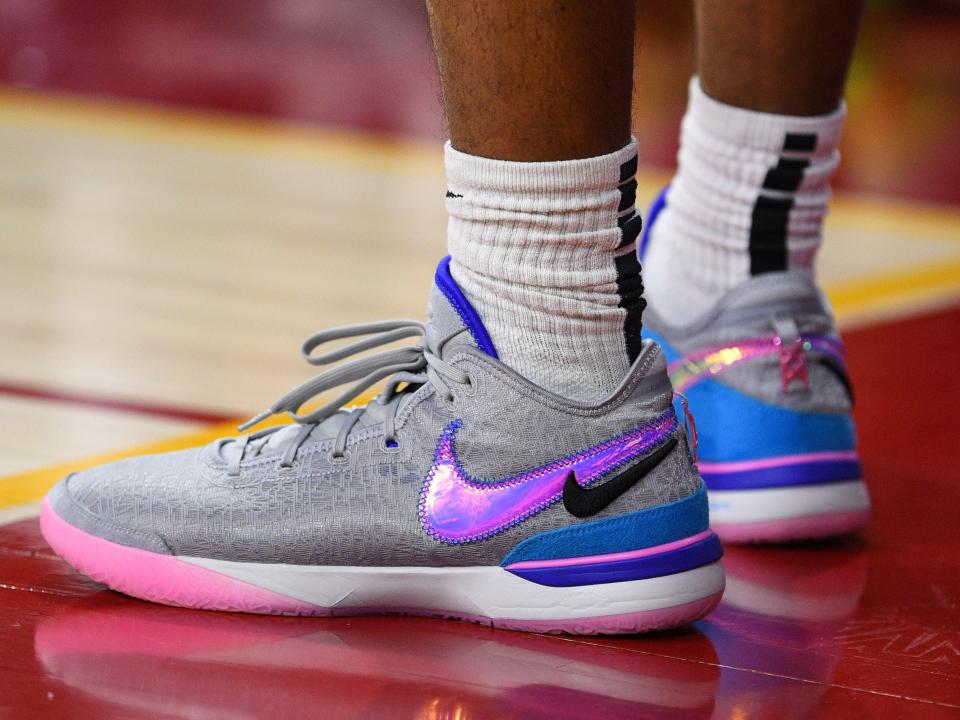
{"x": 236, "y": 134}
{"x": 847, "y": 298}
{"x": 916, "y": 283}
{"x": 32, "y": 485}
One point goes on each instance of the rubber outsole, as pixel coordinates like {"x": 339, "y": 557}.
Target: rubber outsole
{"x": 182, "y": 582}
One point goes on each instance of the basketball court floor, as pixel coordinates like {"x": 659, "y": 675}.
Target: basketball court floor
{"x": 187, "y": 191}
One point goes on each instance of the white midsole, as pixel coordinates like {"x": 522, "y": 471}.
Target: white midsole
{"x": 490, "y": 592}
{"x": 739, "y": 506}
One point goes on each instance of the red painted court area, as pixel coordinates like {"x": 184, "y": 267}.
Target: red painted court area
{"x": 864, "y": 626}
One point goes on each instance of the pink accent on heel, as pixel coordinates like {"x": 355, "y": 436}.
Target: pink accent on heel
{"x": 161, "y": 578}
{"x": 811, "y": 527}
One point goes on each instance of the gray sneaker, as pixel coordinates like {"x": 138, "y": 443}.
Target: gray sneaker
{"x": 462, "y": 490}
{"x": 765, "y": 377}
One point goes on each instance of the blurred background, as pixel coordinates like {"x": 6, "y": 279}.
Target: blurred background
{"x": 367, "y": 65}
{"x": 188, "y": 188}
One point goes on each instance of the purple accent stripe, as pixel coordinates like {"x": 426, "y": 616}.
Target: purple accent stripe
{"x": 737, "y": 466}
{"x": 687, "y": 557}
{"x": 807, "y": 473}
{"x": 609, "y": 557}
{"x": 454, "y": 295}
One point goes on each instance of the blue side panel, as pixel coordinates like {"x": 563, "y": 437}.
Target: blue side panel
{"x": 733, "y": 426}
{"x": 631, "y": 531}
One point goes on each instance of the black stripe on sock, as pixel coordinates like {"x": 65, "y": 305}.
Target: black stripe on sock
{"x": 628, "y": 195}
{"x": 629, "y": 282}
{"x": 628, "y": 169}
{"x": 630, "y": 227}
{"x": 630, "y": 290}
{"x": 768, "y": 234}
{"x": 800, "y": 142}
{"x": 770, "y": 219}
{"x": 787, "y": 175}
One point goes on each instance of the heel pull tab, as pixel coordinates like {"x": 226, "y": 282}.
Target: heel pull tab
{"x": 793, "y": 359}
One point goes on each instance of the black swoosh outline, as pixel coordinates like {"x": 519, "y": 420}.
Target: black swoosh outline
{"x": 583, "y": 502}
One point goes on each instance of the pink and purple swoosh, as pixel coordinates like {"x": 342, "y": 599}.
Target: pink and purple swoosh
{"x": 457, "y": 508}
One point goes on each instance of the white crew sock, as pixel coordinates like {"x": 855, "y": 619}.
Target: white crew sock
{"x": 537, "y": 249}
{"x": 749, "y": 197}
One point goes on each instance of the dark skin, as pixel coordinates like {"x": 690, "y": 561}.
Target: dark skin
{"x": 535, "y": 79}
{"x": 776, "y": 56}
{"x": 531, "y": 80}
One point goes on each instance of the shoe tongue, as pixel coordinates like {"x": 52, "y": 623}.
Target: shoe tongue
{"x": 452, "y": 321}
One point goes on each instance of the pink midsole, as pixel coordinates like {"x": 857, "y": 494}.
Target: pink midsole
{"x": 799, "y": 528}
{"x": 168, "y": 580}
{"x": 161, "y": 578}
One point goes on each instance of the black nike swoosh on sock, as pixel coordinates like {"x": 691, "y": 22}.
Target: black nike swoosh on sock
{"x": 584, "y": 502}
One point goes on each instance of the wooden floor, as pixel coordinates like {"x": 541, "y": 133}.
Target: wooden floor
{"x": 174, "y": 262}
{"x": 160, "y": 265}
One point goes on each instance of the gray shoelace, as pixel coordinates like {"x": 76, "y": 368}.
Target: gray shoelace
{"x": 412, "y": 365}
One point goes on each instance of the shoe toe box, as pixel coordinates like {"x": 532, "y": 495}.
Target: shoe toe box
{"x": 132, "y": 502}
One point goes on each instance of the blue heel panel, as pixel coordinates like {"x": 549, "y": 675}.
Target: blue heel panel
{"x": 633, "y": 531}
{"x": 733, "y": 426}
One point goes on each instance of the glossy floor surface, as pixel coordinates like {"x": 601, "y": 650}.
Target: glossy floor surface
{"x": 159, "y": 266}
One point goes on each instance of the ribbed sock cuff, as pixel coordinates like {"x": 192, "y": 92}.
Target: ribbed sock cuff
{"x": 471, "y": 172}
{"x": 762, "y": 131}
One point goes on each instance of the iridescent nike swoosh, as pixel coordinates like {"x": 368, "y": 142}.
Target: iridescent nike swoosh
{"x": 457, "y": 508}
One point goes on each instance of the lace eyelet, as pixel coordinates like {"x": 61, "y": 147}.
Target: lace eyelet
{"x": 390, "y": 445}
{"x": 472, "y": 385}
{"x": 335, "y": 459}
{"x": 449, "y": 402}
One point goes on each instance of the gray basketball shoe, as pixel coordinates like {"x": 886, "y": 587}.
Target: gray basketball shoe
{"x": 462, "y": 490}
{"x": 765, "y": 376}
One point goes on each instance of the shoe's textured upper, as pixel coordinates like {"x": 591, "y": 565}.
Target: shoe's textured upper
{"x": 362, "y": 509}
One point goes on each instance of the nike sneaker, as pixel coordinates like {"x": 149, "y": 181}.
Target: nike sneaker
{"x": 462, "y": 490}
{"x": 766, "y": 382}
